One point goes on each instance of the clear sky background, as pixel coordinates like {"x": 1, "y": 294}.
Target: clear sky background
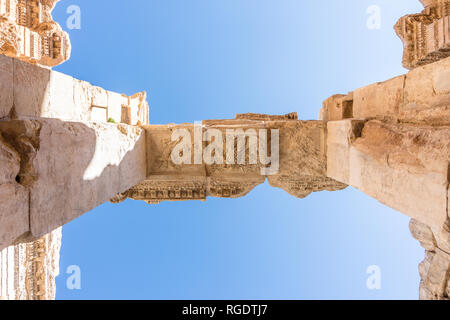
{"x": 210, "y": 59}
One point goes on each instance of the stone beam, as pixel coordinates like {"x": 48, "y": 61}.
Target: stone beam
{"x": 28, "y": 91}
{"x": 397, "y": 138}
{"x": 63, "y": 170}
{"x": 301, "y": 169}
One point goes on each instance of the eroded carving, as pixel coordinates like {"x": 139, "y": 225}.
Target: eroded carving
{"x": 28, "y": 32}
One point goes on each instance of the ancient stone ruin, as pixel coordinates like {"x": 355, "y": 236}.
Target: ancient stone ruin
{"x": 67, "y": 147}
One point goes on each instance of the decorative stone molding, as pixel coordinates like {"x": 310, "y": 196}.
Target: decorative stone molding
{"x": 426, "y": 36}
{"x": 28, "y": 32}
{"x": 28, "y": 270}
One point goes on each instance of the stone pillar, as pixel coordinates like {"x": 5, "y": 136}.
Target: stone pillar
{"x": 28, "y": 270}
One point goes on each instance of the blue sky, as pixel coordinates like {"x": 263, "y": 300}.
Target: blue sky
{"x": 210, "y": 59}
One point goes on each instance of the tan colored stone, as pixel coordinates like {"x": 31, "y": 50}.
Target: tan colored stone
{"x": 301, "y": 169}
{"x": 10, "y": 163}
{"x": 14, "y": 219}
{"x": 80, "y": 167}
{"x": 438, "y": 275}
{"x": 76, "y": 167}
{"x": 39, "y": 92}
{"x": 425, "y": 35}
{"x": 28, "y": 270}
{"x": 422, "y": 233}
{"x": 31, "y": 89}
{"x": 341, "y": 134}
{"x": 390, "y": 157}
{"x": 6, "y": 85}
{"x": 28, "y": 32}
{"x": 379, "y": 99}
{"x": 427, "y": 95}
{"x": 338, "y": 107}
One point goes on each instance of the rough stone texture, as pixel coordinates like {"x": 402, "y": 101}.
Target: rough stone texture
{"x": 389, "y": 157}
{"x": 6, "y": 85}
{"x": 302, "y": 162}
{"x": 435, "y": 269}
{"x": 74, "y": 167}
{"x": 390, "y": 139}
{"x": 28, "y": 270}
{"x": 379, "y": 99}
{"x": 28, "y": 32}
{"x": 341, "y": 135}
{"x": 422, "y": 96}
{"x": 39, "y": 92}
{"x": 396, "y": 149}
{"x": 427, "y": 95}
{"x": 337, "y": 107}
{"x": 14, "y": 220}
{"x": 425, "y": 36}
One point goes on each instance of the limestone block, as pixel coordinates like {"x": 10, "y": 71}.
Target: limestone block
{"x": 82, "y": 93}
{"x": 341, "y": 135}
{"x": 391, "y": 157}
{"x": 6, "y": 85}
{"x": 115, "y": 101}
{"x": 9, "y": 162}
{"x": 31, "y": 89}
{"x": 300, "y": 168}
{"x": 422, "y": 233}
{"x": 99, "y": 97}
{"x": 14, "y": 218}
{"x": 437, "y": 277}
{"x": 42, "y": 93}
{"x": 61, "y": 103}
{"x": 379, "y": 99}
{"x": 339, "y": 107}
{"x": 81, "y": 166}
{"x": 427, "y": 94}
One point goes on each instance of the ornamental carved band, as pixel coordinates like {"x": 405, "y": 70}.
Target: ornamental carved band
{"x": 426, "y": 36}
{"x": 28, "y": 32}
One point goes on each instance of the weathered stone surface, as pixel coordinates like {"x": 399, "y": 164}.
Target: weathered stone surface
{"x": 379, "y": 99}
{"x": 391, "y": 157}
{"x": 28, "y": 270}
{"x": 39, "y": 92}
{"x": 425, "y": 36}
{"x": 6, "y": 85}
{"x": 427, "y": 95}
{"x": 422, "y": 96}
{"x": 14, "y": 220}
{"x": 301, "y": 168}
{"x": 76, "y": 166}
{"x": 31, "y": 89}
{"x": 28, "y": 32}
{"x": 435, "y": 269}
{"x": 337, "y": 107}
